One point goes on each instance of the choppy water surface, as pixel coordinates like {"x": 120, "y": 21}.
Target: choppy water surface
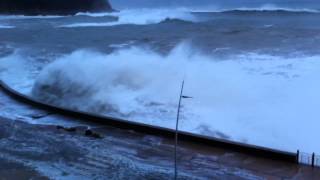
{"x": 253, "y": 73}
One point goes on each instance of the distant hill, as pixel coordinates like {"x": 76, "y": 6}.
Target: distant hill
{"x": 52, "y": 7}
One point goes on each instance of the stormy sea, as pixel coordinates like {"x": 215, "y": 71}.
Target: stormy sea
{"x": 253, "y": 73}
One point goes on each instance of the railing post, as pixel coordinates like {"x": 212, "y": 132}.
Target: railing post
{"x": 312, "y": 159}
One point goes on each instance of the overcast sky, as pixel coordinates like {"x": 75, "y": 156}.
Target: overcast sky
{"x": 120, "y": 4}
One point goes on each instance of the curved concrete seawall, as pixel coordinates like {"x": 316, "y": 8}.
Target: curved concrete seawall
{"x": 52, "y": 7}
{"x": 155, "y": 130}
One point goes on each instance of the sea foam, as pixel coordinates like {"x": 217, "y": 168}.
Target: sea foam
{"x": 136, "y": 17}
{"x": 6, "y": 27}
{"x": 259, "y": 99}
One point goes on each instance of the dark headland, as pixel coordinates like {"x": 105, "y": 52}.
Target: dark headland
{"x": 52, "y": 7}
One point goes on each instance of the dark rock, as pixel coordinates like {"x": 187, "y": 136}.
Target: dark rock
{"x": 88, "y": 132}
{"x": 92, "y": 134}
{"x": 53, "y": 7}
{"x": 40, "y": 115}
{"x": 96, "y": 135}
{"x": 60, "y": 127}
{"x": 70, "y": 129}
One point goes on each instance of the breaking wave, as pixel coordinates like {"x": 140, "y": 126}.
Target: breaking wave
{"x": 6, "y": 27}
{"x": 250, "y": 98}
{"x": 264, "y": 8}
{"x": 276, "y": 11}
{"x": 137, "y": 17}
{"x": 155, "y": 16}
{"x": 5, "y": 17}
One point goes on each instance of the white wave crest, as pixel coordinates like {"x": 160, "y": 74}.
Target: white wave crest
{"x": 260, "y": 99}
{"x": 8, "y": 17}
{"x": 137, "y": 17}
{"x": 272, "y": 7}
{"x": 265, "y": 7}
{"x": 6, "y": 27}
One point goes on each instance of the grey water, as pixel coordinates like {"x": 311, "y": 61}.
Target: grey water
{"x": 252, "y": 71}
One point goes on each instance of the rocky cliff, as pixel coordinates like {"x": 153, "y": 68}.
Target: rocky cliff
{"x": 52, "y": 7}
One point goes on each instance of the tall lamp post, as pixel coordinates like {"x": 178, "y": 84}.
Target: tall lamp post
{"x": 177, "y": 130}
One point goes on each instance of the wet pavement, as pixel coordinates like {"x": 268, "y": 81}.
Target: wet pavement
{"x": 60, "y": 150}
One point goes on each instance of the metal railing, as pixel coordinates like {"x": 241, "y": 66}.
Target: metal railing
{"x": 317, "y": 161}
{"x": 308, "y": 159}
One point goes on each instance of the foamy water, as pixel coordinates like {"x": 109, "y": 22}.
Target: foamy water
{"x": 6, "y": 27}
{"x": 17, "y": 72}
{"x": 137, "y": 17}
{"x": 9, "y": 17}
{"x": 272, "y": 7}
{"x": 146, "y": 16}
{"x": 260, "y": 99}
